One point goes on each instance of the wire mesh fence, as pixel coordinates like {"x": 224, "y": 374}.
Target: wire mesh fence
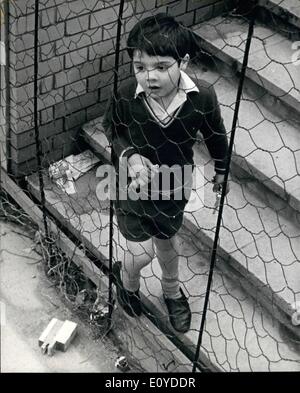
{"x": 73, "y": 107}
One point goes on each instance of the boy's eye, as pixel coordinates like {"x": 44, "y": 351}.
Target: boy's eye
{"x": 162, "y": 67}
{"x": 139, "y": 68}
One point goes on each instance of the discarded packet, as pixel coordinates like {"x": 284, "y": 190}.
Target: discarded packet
{"x": 60, "y": 174}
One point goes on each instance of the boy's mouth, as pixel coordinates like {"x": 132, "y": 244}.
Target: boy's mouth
{"x": 153, "y": 89}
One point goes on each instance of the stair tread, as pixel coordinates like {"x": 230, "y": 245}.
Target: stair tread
{"x": 239, "y": 335}
{"x": 270, "y": 60}
{"x": 291, "y": 7}
{"x": 269, "y": 145}
{"x": 262, "y": 244}
{"x": 251, "y": 221}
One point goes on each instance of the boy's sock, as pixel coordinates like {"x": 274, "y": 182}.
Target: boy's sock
{"x": 130, "y": 282}
{"x": 170, "y": 287}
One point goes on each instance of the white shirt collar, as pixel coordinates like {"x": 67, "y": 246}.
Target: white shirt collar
{"x": 185, "y": 83}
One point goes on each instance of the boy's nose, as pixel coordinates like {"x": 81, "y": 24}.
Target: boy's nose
{"x": 151, "y": 75}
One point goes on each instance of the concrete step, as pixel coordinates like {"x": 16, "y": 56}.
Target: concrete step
{"x": 271, "y": 60}
{"x": 266, "y": 147}
{"x": 259, "y": 242}
{"x": 287, "y": 11}
{"x": 239, "y": 334}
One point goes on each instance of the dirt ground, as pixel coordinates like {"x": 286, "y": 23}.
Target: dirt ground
{"x": 29, "y": 300}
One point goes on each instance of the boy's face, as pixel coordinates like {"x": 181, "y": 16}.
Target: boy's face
{"x": 158, "y": 75}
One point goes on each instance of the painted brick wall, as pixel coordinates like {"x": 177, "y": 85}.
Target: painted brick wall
{"x": 76, "y": 62}
{"x": 3, "y": 90}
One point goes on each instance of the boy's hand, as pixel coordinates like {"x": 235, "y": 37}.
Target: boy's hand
{"x": 218, "y": 181}
{"x": 141, "y": 170}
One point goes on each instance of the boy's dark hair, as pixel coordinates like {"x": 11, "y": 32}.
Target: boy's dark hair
{"x": 160, "y": 35}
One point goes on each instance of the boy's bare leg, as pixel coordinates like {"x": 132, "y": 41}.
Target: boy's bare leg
{"x": 138, "y": 256}
{"x": 168, "y": 252}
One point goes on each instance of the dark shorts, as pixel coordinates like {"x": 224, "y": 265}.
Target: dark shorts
{"x": 162, "y": 224}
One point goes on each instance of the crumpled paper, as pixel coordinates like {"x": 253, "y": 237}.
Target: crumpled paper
{"x": 64, "y": 172}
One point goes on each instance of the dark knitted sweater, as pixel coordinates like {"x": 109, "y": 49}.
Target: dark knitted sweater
{"x": 167, "y": 145}
{"x": 172, "y": 144}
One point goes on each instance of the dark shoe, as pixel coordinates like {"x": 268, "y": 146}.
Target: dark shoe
{"x": 129, "y": 301}
{"x": 179, "y": 313}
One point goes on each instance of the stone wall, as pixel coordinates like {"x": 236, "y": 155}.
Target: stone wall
{"x": 76, "y": 66}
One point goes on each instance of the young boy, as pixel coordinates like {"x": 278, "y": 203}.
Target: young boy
{"x": 155, "y": 123}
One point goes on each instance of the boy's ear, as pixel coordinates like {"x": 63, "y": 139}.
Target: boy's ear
{"x": 184, "y": 62}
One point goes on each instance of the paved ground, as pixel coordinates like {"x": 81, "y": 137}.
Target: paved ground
{"x": 28, "y": 302}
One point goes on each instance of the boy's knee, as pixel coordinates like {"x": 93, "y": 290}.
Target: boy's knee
{"x": 143, "y": 259}
{"x": 141, "y": 254}
{"x": 134, "y": 263}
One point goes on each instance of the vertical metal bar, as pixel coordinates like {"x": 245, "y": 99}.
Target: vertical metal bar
{"x": 111, "y": 210}
{"x": 7, "y": 85}
{"x": 216, "y": 238}
{"x": 35, "y": 115}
